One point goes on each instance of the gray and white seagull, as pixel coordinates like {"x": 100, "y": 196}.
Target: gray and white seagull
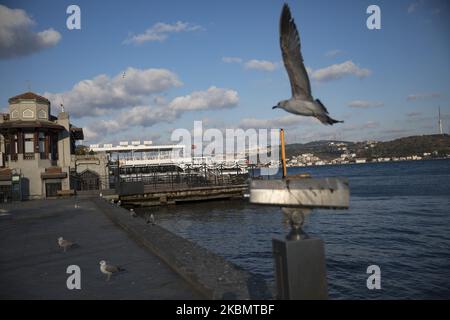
{"x": 66, "y": 244}
{"x": 302, "y": 102}
{"x": 109, "y": 269}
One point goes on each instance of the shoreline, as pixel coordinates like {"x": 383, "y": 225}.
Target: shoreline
{"x": 355, "y": 163}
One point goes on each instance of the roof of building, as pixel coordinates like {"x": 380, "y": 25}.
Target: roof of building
{"x": 77, "y": 133}
{"x": 53, "y": 173}
{"x": 30, "y": 124}
{"x": 5, "y": 174}
{"x": 28, "y": 96}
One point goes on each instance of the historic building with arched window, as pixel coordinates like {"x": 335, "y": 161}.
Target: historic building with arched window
{"x": 35, "y": 149}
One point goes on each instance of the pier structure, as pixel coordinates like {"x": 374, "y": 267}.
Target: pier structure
{"x": 134, "y": 158}
{"x": 143, "y": 174}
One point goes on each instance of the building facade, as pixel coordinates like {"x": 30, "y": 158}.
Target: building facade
{"x": 90, "y": 172}
{"x": 36, "y": 149}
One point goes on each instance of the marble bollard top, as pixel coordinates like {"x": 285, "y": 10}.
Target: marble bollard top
{"x": 329, "y": 193}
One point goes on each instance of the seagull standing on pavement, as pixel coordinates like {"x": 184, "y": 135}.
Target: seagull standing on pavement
{"x": 151, "y": 219}
{"x": 65, "y": 244}
{"x": 301, "y": 102}
{"x": 109, "y": 269}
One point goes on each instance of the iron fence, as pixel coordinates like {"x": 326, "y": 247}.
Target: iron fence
{"x": 190, "y": 178}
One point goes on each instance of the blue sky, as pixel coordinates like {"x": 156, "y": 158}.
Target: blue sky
{"x": 139, "y": 69}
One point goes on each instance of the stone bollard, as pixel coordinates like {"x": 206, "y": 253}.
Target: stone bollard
{"x": 300, "y": 260}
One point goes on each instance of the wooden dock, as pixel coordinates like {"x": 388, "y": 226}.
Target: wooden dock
{"x": 156, "y": 197}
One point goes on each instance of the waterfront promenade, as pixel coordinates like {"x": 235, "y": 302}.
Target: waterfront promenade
{"x": 32, "y": 266}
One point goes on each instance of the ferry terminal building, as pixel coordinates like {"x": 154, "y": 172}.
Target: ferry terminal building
{"x": 36, "y": 149}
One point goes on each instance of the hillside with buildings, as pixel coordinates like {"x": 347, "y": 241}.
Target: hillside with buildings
{"x": 336, "y": 152}
{"x": 437, "y": 145}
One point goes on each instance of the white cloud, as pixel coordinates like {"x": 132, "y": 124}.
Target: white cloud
{"x": 17, "y": 37}
{"x": 288, "y": 121}
{"x": 102, "y": 94}
{"x": 253, "y": 64}
{"x": 146, "y": 116}
{"x": 90, "y": 134}
{"x": 149, "y": 115}
{"x": 99, "y": 129}
{"x": 160, "y": 31}
{"x": 364, "y": 126}
{"x": 338, "y": 71}
{"x": 423, "y": 96}
{"x": 137, "y": 116}
{"x": 159, "y": 100}
{"x": 213, "y": 98}
{"x": 262, "y": 65}
{"x": 334, "y": 53}
{"x": 232, "y": 60}
{"x": 364, "y": 104}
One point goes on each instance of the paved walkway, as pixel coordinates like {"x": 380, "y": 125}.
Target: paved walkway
{"x": 32, "y": 266}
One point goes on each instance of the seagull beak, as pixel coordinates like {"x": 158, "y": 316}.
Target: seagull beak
{"x": 274, "y": 107}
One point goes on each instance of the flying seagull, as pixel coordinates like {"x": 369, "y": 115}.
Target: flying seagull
{"x": 66, "y": 244}
{"x": 109, "y": 269}
{"x": 302, "y": 102}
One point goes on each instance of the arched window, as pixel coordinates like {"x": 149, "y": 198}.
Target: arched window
{"x": 41, "y": 143}
{"x": 28, "y": 113}
{"x": 42, "y": 114}
{"x": 29, "y": 142}
{"x": 14, "y": 114}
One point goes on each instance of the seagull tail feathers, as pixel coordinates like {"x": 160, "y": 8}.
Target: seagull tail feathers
{"x": 327, "y": 120}
{"x": 324, "y": 118}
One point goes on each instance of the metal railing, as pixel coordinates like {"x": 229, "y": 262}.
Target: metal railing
{"x": 79, "y": 182}
{"x": 28, "y": 156}
{"x": 202, "y": 177}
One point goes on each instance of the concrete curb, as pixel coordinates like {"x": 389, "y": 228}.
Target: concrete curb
{"x": 211, "y": 275}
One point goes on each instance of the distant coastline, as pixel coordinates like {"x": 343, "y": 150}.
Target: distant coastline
{"x": 414, "y": 148}
{"x": 371, "y": 162}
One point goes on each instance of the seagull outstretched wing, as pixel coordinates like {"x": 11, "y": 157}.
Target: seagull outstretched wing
{"x": 292, "y": 57}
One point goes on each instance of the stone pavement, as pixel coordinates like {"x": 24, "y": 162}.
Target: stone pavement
{"x": 32, "y": 266}
{"x": 212, "y": 275}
